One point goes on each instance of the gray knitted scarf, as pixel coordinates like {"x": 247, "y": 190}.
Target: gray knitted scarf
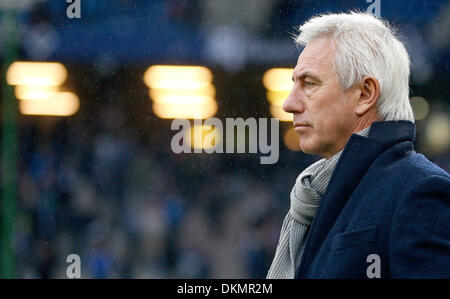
{"x": 306, "y": 194}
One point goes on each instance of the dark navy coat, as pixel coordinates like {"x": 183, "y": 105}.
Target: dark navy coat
{"x": 383, "y": 199}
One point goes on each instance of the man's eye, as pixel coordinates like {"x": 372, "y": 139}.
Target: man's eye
{"x": 309, "y": 83}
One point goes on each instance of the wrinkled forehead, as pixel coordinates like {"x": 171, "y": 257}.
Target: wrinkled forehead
{"x": 317, "y": 56}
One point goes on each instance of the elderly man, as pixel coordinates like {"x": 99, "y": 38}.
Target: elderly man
{"x": 372, "y": 207}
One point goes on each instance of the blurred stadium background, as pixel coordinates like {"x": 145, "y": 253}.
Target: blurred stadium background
{"x": 100, "y": 179}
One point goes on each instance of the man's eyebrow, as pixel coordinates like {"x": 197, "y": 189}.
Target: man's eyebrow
{"x": 305, "y": 75}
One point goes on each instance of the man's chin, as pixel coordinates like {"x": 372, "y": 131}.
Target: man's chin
{"x": 308, "y": 149}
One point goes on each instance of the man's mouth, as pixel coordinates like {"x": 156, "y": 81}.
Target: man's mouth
{"x": 301, "y": 127}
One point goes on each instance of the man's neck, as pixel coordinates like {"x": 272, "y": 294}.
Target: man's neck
{"x": 366, "y": 121}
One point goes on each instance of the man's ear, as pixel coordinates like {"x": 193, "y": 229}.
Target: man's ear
{"x": 370, "y": 92}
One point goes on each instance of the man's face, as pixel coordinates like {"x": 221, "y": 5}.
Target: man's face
{"x": 324, "y": 116}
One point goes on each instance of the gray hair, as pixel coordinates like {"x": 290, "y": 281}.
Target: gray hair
{"x": 366, "y": 46}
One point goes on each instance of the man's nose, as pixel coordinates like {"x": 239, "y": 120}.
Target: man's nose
{"x": 293, "y": 103}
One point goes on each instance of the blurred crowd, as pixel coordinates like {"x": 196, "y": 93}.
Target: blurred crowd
{"x": 135, "y": 210}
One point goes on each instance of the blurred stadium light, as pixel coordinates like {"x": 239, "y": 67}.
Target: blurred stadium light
{"x": 37, "y": 87}
{"x": 162, "y": 95}
{"x": 59, "y": 104}
{"x": 203, "y": 137}
{"x": 438, "y": 133}
{"x": 278, "y": 79}
{"x": 420, "y": 107}
{"x": 185, "y": 110}
{"x": 277, "y": 98}
{"x": 177, "y": 77}
{"x": 34, "y": 92}
{"x": 278, "y": 112}
{"x": 278, "y": 82}
{"x": 36, "y": 73}
{"x": 181, "y": 91}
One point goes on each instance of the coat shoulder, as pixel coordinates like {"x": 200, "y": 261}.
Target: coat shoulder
{"x": 411, "y": 170}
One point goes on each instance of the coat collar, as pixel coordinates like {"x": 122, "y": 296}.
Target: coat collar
{"x": 392, "y": 132}
{"x": 358, "y": 155}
